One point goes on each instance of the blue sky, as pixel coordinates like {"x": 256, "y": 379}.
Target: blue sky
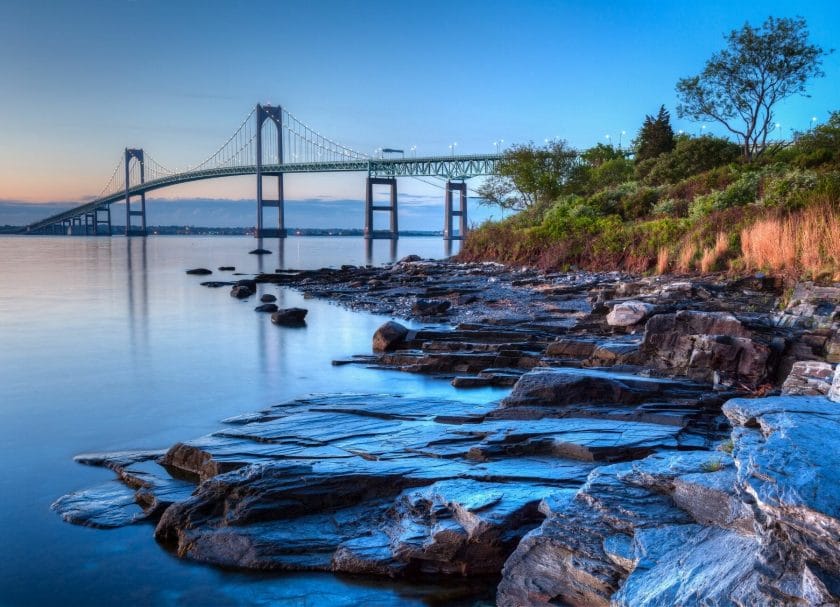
{"x": 83, "y": 79}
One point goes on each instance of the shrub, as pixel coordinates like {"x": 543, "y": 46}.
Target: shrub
{"x": 639, "y": 203}
{"x": 692, "y": 155}
{"x": 788, "y": 190}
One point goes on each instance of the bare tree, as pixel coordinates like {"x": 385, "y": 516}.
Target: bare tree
{"x": 741, "y": 85}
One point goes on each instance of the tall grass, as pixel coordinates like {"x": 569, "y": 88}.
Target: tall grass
{"x": 711, "y": 255}
{"x": 807, "y": 242}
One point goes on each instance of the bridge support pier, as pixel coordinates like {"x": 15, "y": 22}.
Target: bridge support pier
{"x": 449, "y": 214}
{"x": 274, "y": 113}
{"x": 370, "y": 233}
{"x": 131, "y": 230}
{"x": 106, "y": 221}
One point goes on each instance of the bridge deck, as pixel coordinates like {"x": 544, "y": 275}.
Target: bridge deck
{"x": 449, "y": 167}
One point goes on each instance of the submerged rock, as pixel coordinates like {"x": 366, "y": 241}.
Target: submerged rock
{"x": 227, "y": 268}
{"x": 241, "y": 292}
{"x": 269, "y": 307}
{"x": 268, "y": 298}
{"x": 260, "y": 252}
{"x": 199, "y": 271}
{"x": 289, "y": 317}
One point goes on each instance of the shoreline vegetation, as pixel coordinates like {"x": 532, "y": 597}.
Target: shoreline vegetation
{"x": 684, "y": 203}
{"x": 694, "y": 209}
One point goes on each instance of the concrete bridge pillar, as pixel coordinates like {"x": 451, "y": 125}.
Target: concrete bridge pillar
{"x": 449, "y": 214}
{"x": 130, "y": 230}
{"x": 106, "y": 221}
{"x": 275, "y": 115}
{"x": 370, "y": 233}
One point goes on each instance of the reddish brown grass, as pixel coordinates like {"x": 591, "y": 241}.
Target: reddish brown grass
{"x": 662, "y": 260}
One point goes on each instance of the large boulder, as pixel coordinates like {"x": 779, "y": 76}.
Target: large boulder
{"x": 388, "y": 336}
{"x": 629, "y": 313}
{"x": 706, "y": 346}
{"x": 809, "y": 378}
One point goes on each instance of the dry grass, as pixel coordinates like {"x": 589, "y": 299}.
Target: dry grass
{"x": 711, "y": 255}
{"x": 685, "y": 257}
{"x": 662, "y": 260}
{"x": 808, "y": 242}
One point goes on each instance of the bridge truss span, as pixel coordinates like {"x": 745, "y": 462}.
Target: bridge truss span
{"x": 269, "y": 143}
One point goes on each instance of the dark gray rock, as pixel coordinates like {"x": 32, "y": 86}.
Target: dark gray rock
{"x": 241, "y": 292}
{"x": 430, "y": 307}
{"x": 269, "y": 307}
{"x": 199, "y": 271}
{"x": 247, "y": 282}
{"x": 260, "y": 252}
{"x": 268, "y": 298}
{"x": 705, "y": 346}
{"x": 289, "y": 317}
{"x": 388, "y": 336}
{"x": 227, "y": 268}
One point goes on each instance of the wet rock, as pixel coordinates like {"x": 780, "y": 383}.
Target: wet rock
{"x": 268, "y": 298}
{"x": 410, "y": 259}
{"x": 269, "y": 307}
{"x": 215, "y": 284}
{"x": 629, "y": 313}
{"x": 199, "y": 271}
{"x": 247, "y": 282}
{"x": 260, "y": 252}
{"x": 430, "y": 307}
{"x": 388, "y": 336}
{"x": 290, "y": 317}
{"x": 227, "y": 268}
{"x": 241, "y": 292}
{"x": 809, "y": 378}
{"x": 563, "y": 387}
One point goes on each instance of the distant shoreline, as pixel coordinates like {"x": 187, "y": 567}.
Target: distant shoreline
{"x": 210, "y": 231}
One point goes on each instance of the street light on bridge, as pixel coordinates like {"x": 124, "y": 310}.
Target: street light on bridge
{"x": 452, "y": 147}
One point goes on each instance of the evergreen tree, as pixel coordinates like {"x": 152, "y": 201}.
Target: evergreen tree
{"x": 655, "y": 137}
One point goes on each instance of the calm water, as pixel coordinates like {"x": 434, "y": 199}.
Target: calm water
{"x": 105, "y": 344}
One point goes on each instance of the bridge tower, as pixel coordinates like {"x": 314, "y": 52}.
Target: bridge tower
{"x": 275, "y": 114}
{"x": 449, "y": 214}
{"x": 136, "y": 154}
{"x": 393, "y": 233}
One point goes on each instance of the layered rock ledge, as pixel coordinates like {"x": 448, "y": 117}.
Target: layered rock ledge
{"x": 664, "y": 442}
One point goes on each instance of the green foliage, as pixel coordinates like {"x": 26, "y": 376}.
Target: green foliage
{"x": 528, "y": 175}
{"x": 655, "y": 137}
{"x": 611, "y": 172}
{"x": 600, "y": 153}
{"x": 692, "y": 155}
{"x": 787, "y": 190}
{"x": 740, "y": 86}
{"x": 819, "y": 146}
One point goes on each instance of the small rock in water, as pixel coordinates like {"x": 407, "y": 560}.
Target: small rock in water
{"x": 388, "y": 336}
{"x": 268, "y": 298}
{"x": 410, "y": 259}
{"x": 200, "y": 271}
{"x": 247, "y": 282}
{"x": 241, "y": 292}
{"x": 267, "y": 307}
{"x": 215, "y": 284}
{"x": 260, "y": 252}
{"x": 289, "y": 317}
{"x": 227, "y": 268}
{"x": 429, "y": 307}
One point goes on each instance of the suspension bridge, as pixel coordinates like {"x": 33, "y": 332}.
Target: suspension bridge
{"x": 271, "y": 143}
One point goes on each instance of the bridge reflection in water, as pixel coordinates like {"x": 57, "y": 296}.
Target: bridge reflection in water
{"x": 271, "y": 143}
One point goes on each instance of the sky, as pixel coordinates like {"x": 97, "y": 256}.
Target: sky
{"x": 80, "y": 80}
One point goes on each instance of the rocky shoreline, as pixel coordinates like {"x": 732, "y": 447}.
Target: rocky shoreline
{"x": 665, "y": 441}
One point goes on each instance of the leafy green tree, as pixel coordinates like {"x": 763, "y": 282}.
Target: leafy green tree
{"x": 528, "y": 175}
{"x": 691, "y": 156}
{"x": 655, "y": 137}
{"x": 821, "y": 145}
{"x": 600, "y": 153}
{"x": 740, "y": 86}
